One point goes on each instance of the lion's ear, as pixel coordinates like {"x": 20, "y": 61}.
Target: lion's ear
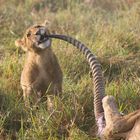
{"x": 46, "y": 23}
{"x": 20, "y": 43}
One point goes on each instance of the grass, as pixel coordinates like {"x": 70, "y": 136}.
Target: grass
{"x": 111, "y": 29}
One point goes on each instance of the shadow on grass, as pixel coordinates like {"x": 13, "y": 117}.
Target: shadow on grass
{"x": 11, "y": 112}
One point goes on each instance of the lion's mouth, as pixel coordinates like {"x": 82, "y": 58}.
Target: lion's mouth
{"x": 43, "y": 39}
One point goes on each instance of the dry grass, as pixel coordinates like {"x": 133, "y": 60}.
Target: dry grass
{"x": 111, "y": 33}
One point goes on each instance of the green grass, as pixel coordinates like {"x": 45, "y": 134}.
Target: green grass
{"x": 111, "y": 29}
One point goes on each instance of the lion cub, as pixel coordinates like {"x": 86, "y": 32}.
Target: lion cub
{"x": 41, "y": 72}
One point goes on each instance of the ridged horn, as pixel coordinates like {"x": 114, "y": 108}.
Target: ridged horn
{"x": 98, "y": 82}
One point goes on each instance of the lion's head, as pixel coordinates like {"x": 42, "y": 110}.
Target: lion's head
{"x": 35, "y": 39}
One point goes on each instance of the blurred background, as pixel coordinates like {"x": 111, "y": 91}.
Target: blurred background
{"x": 110, "y": 28}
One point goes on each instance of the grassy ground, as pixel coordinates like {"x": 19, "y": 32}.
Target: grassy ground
{"x": 111, "y": 29}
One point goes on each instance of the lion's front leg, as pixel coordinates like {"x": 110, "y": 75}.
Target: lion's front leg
{"x": 57, "y": 89}
{"x": 31, "y": 97}
{"x": 134, "y": 134}
{"x": 118, "y": 126}
{"x": 26, "y": 95}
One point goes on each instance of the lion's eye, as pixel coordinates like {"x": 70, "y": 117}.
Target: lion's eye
{"x": 28, "y": 34}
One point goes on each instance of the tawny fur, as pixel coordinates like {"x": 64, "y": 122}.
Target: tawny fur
{"x": 117, "y": 126}
{"x": 41, "y": 72}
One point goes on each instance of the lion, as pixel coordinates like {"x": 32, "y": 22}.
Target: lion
{"x": 41, "y": 72}
{"x": 119, "y": 126}
{"x": 112, "y": 125}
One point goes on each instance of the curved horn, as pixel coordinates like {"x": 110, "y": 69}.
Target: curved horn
{"x": 99, "y": 89}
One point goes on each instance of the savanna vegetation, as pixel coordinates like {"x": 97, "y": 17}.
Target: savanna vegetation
{"x": 110, "y": 28}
